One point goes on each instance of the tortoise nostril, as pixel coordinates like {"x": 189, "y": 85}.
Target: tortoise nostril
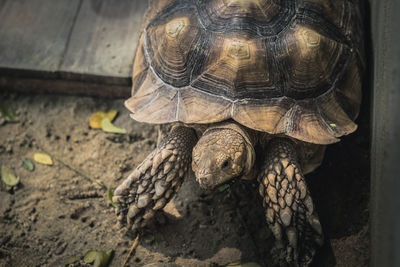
{"x": 204, "y": 179}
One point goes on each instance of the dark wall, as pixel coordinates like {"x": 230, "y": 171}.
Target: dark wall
{"x": 385, "y": 187}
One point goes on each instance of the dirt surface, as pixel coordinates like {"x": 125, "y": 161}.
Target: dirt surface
{"x": 55, "y": 213}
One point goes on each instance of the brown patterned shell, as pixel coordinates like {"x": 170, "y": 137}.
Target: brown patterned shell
{"x": 278, "y": 66}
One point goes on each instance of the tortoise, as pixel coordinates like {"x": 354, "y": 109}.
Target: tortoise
{"x": 253, "y": 89}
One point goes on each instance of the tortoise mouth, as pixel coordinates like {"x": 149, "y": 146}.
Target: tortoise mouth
{"x": 209, "y": 183}
{"x": 206, "y": 181}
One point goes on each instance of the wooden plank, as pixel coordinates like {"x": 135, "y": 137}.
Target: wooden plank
{"x": 34, "y": 34}
{"x": 104, "y": 40}
{"x": 68, "y": 87}
{"x": 385, "y": 152}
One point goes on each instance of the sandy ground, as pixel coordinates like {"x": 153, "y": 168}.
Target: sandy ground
{"x": 55, "y": 213}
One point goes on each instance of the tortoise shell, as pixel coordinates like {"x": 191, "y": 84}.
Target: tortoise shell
{"x": 277, "y": 66}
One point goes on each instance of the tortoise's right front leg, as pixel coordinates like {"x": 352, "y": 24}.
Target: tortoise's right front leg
{"x": 155, "y": 181}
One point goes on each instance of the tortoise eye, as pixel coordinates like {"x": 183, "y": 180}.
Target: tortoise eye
{"x": 226, "y": 164}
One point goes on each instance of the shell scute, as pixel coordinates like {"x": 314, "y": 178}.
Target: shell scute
{"x": 172, "y": 46}
{"x": 262, "y": 115}
{"x": 235, "y": 66}
{"x": 337, "y": 12}
{"x": 259, "y": 17}
{"x": 198, "y": 107}
{"x": 310, "y": 61}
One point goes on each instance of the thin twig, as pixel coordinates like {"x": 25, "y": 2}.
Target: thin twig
{"x": 134, "y": 245}
{"x": 76, "y": 170}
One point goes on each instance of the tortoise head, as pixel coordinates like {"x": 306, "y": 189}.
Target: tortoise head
{"x": 221, "y": 155}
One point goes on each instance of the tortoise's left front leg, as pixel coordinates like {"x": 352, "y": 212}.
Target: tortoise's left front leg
{"x": 289, "y": 208}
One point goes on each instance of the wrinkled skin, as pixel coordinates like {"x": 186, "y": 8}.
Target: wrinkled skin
{"x": 220, "y": 156}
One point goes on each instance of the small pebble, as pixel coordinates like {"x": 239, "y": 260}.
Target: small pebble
{"x": 9, "y": 148}
{"x": 33, "y": 218}
{"x": 61, "y": 248}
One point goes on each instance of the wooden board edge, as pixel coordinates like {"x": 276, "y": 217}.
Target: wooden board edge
{"x": 59, "y": 86}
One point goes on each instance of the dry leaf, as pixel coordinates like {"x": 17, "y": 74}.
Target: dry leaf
{"x": 224, "y": 187}
{"x": 98, "y": 258}
{"x": 112, "y": 114}
{"x": 42, "y": 158}
{"x": 8, "y": 176}
{"x": 8, "y": 113}
{"x": 96, "y": 118}
{"x": 107, "y": 126}
{"x": 102, "y": 258}
{"x": 28, "y": 164}
{"x": 110, "y": 194}
{"x": 70, "y": 260}
{"x": 90, "y": 256}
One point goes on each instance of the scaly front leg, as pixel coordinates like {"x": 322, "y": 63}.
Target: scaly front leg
{"x": 289, "y": 208}
{"x": 156, "y": 180}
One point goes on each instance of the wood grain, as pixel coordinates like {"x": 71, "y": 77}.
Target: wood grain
{"x": 34, "y": 34}
{"x": 104, "y": 41}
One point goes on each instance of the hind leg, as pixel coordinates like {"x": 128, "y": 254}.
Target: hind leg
{"x": 156, "y": 180}
{"x": 289, "y": 208}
